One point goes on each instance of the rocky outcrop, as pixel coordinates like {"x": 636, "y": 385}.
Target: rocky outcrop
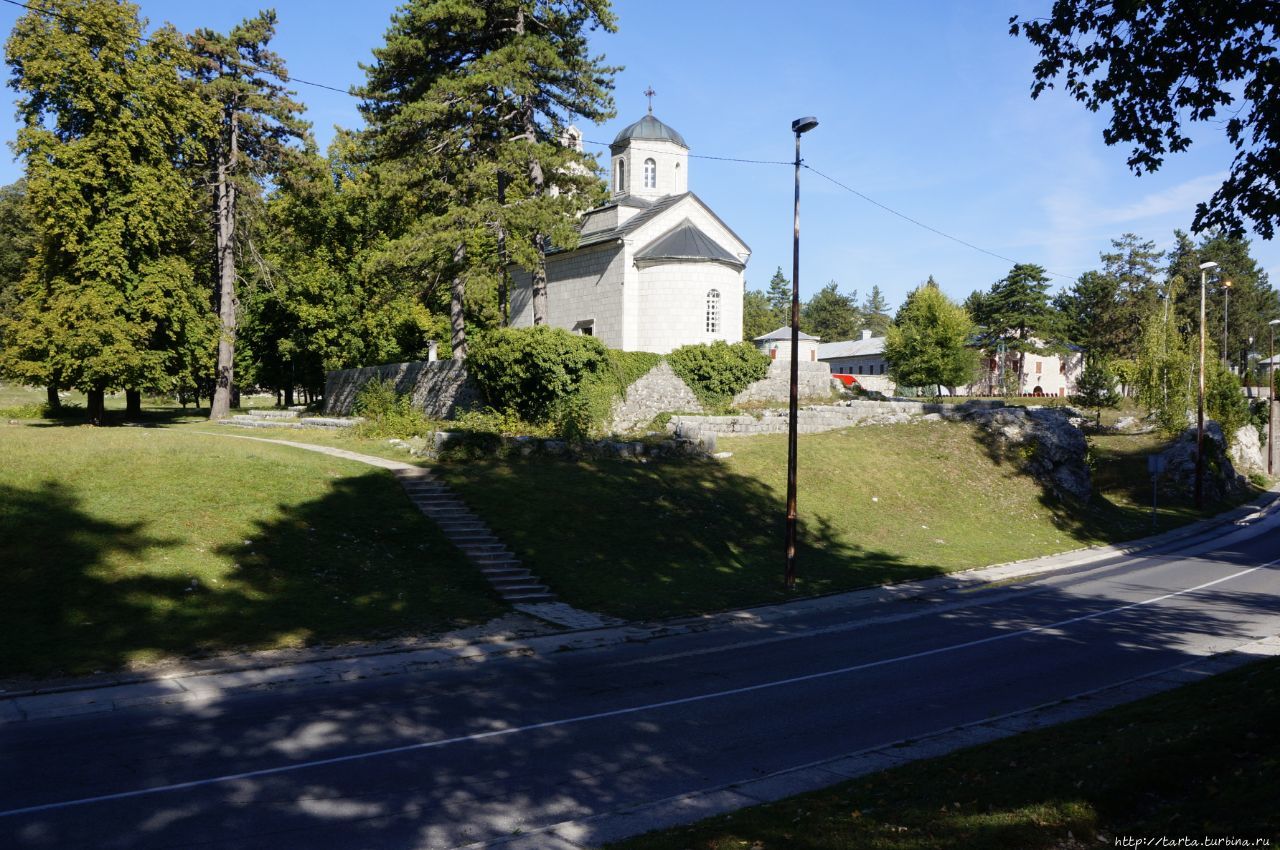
{"x": 1246, "y": 451}
{"x": 1220, "y": 477}
{"x": 1055, "y": 450}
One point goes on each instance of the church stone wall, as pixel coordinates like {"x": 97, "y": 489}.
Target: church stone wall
{"x": 815, "y": 382}
{"x": 439, "y": 388}
{"x": 659, "y": 391}
{"x": 672, "y": 305}
{"x": 582, "y": 286}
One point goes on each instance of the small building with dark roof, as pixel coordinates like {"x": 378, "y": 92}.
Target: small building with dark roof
{"x": 655, "y": 268}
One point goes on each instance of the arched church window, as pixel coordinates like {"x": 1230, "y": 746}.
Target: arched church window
{"x": 650, "y": 174}
{"x": 713, "y": 311}
{"x": 621, "y": 171}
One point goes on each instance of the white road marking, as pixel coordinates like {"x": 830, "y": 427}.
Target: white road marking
{"x": 617, "y": 712}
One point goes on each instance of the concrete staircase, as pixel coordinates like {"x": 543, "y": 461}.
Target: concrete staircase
{"x": 514, "y": 583}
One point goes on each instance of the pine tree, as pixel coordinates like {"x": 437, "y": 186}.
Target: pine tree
{"x": 1091, "y": 315}
{"x": 831, "y": 315}
{"x": 257, "y": 120}
{"x": 110, "y": 129}
{"x": 1016, "y": 314}
{"x": 1132, "y": 265}
{"x": 779, "y": 295}
{"x": 875, "y": 312}
{"x": 1096, "y": 387}
{"x": 467, "y": 105}
{"x": 758, "y": 316}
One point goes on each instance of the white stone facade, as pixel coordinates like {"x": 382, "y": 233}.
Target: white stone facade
{"x": 1042, "y": 375}
{"x": 656, "y": 268}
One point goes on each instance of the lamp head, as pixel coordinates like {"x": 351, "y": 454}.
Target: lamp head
{"x": 1274, "y": 322}
{"x": 1204, "y": 267}
{"x": 804, "y": 125}
{"x": 1226, "y": 284}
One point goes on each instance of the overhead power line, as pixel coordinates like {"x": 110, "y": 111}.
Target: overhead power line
{"x": 287, "y": 78}
{"x": 919, "y": 223}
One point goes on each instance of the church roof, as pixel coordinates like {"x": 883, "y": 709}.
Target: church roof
{"x": 649, "y": 213}
{"x": 649, "y": 127}
{"x": 783, "y": 332}
{"x": 852, "y": 348}
{"x": 686, "y": 242}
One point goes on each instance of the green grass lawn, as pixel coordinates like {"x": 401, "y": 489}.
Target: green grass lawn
{"x": 1200, "y": 761}
{"x": 876, "y": 504}
{"x": 123, "y": 546}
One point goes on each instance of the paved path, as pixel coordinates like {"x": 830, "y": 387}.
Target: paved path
{"x": 570, "y": 749}
{"x": 514, "y": 582}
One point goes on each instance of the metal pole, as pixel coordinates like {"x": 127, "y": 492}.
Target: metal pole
{"x": 789, "y": 577}
{"x": 1271, "y": 397}
{"x": 1226, "y": 304}
{"x": 1200, "y": 406}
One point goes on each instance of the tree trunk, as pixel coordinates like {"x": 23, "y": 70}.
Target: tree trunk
{"x": 133, "y": 404}
{"x": 503, "y": 297}
{"x": 457, "y": 317}
{"x": 288, "y": 395}
{"x": 226, "y": 212}
{"x": 52, "y": 401}
{"x": 97, "y": 405}
{"x": 537, "y": 182}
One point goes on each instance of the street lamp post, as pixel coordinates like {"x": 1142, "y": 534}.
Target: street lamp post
{"x": 1271, "y": 397}
{"x": 1204, "y": 270}
{"x": 799, "y": 127}
{"x": 1226, "y": 304}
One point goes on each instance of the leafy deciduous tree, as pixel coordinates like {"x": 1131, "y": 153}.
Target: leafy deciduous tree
{"x": 928, "y": 344}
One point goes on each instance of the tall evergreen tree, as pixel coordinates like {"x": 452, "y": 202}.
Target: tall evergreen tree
{"x": 109, "y": 131}
{"x": 1091, "y": 316}
{"x": 779, "y": 295}
{"x": 831, "y": 315}
{"x": 1017, "y": 314}
{"x": 758, "y": 315}
{"x": 467, "y": 104}
{"x": 875, "y": 312}
{"x": 1133, "y": 265}
{"x": 257, "y": 121}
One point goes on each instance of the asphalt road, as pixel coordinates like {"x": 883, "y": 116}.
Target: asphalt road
{"x": 474, "y": 754}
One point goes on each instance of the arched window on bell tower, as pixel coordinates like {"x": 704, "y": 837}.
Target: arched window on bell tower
{"x": 620, "y": 175}
{"x": 650, "y": 174}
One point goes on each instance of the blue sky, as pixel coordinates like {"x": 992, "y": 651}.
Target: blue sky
{"x": 923, "y": 106}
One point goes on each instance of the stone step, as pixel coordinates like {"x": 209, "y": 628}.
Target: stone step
{"x": 479, "y": 536}
{"x": 529, "y": 597}
{"x": 427, "y": 491}
{"x": 482, "y": 548}
{"x": 248, "y": 422}
{"x": 461, "y": 525}
{"x": 505, "y": 572}
{"x": 328, "y": 422}
{"x": 431, "y": 503}
{"x": 510, "y": 591}
{"x": 442, "y": 512}
{"x": 504, "y": 562}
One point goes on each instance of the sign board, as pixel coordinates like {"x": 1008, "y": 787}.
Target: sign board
{"x": 1155, "y": 464}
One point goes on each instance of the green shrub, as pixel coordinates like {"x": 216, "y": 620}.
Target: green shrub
{"x": 388, "y": 413}
{"x": 530, "y": 371}
{"x": 719, "y": 371}
{"x": 35, "y": 410}
{"x": 582, "y": 415}
{"x": 499, "y": 423}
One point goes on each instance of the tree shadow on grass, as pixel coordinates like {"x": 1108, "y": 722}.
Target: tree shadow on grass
{"x": 80, "y": 594}
{"x": 662, "y": 539}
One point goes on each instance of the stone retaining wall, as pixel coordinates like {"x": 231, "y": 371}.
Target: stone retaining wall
{"x": 439, "y": 388}
{"x": 814, "y": 419}
{"x": 658, "y": 391}
{"x": 815, "y": 382}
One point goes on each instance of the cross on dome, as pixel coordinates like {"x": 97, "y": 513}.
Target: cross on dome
{"x": 649, "y": 93}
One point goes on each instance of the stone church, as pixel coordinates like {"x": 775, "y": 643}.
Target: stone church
{"x": 655, "y": 268}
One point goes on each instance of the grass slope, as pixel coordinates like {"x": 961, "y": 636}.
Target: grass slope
{"x": 876, "y": 504}
{"x": 1202, "y": 761}
{"x": 122, "y": 546}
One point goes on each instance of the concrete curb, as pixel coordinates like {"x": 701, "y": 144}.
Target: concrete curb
{"x": 694, "y": 806}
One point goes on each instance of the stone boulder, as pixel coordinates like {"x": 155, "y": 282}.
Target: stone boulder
{"x": 1246, "y": 451}
{"x": 1055, "y": 450}
{"x": 1220, "y": 477}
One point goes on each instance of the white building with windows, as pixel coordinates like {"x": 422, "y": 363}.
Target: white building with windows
{"x": 655, "y": 267}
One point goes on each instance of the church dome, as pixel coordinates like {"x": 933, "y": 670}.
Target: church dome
{"x": 650, "y": 128}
